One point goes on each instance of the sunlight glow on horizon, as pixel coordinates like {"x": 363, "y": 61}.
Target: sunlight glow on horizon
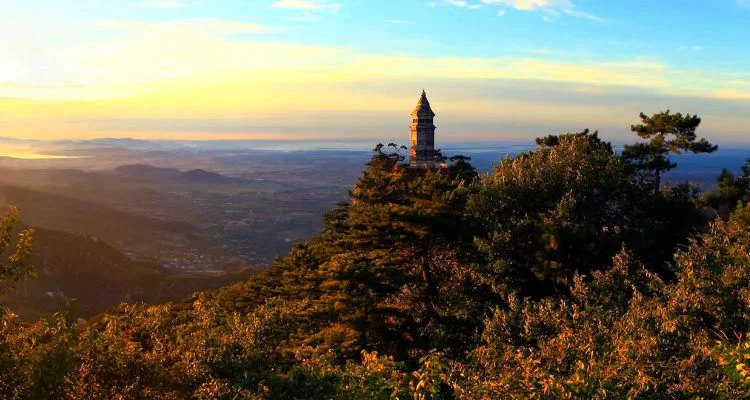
{"x": 210, "y": 77}
{"x": 33, "y": 156}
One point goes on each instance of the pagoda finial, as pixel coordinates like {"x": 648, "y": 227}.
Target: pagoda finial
{"x": 423, "y": 106}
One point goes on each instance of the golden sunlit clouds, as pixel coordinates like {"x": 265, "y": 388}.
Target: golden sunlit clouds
{"x": 31, "y": 155}
{"x": 133, "y": 52}
{"x": 216, "y": 70}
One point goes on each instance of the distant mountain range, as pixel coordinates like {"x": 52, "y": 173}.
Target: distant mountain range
{"x": 182, "y": 219}
{"x": 146, "y": 172}
{"x": 151, "y": 173}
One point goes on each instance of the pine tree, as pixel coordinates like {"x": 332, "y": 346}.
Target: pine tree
{"x": 666, "y": 133}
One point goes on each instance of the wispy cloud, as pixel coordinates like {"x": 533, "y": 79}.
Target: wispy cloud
{"x": 532, "y": 5}
{"x": 582, "y": 14}
{"x": 549, "y": 9}
{"x": 129, "y": 76}
{"x": 464, "y": 4}
{"x": 310, "y": 9}
{"x": 190, "y": 47}
{"x": 165, "y": 4}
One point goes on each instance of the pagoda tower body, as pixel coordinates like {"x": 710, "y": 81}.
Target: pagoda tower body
{"x": 422, "y": 135}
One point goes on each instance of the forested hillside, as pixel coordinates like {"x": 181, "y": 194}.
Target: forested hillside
{"x": 567, "y": 272}
{"x": 128, "y": 230}
{"x": 88, "y": 276}
{"x": 197, "y": 220}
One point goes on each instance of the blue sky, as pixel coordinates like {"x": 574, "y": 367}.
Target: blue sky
{"x": 327, "y": 69}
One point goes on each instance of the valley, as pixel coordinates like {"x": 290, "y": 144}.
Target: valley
{"x": 144, "y": 221}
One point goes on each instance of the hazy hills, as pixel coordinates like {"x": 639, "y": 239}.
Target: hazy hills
{"x": 181, "y": 210}
{"x": 186, "y": 220}
{"x": 80, "y": 248}
{"x": 144, "y": 172}
{"x": 128, "y": 231}
{"x": 140, "y": 232}
{"x": 89, "y": 276}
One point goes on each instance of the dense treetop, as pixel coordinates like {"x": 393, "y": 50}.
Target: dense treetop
{"x": 561, "y": 274}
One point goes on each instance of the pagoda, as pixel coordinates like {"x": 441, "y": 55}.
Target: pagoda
{"x": 422, "y": 153}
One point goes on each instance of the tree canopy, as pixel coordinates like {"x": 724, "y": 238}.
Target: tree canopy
{"x": 559, "y": 274}
{"x": 16, "y": 249}
{"x": 665, "y": 133}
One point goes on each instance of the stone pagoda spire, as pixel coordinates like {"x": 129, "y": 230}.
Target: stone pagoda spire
{"x": 422, "y": 135}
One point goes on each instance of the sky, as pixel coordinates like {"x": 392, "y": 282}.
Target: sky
{"x": 354, "y": 69}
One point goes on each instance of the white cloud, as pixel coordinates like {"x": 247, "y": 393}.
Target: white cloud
{"x": 457, "y": 3}
{"x": 582, "y": 14}
{"x": 501, "y": 13}
{"x": 138, "y": 52}
{"x": 310, "y": 9}
{"x": 200, "y": 69}
{"x": 531, "y": 5}
{"x": 549, "y": 8}
{"x": 211, "y": 46}
{"x": 464, "y": 4}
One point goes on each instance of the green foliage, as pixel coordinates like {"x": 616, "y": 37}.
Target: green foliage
{"x": 431, "y": 377}
{"x": 403, "y": 235}
{"x": 14, "y": 266}
{"x": 72, "y": 268}
{"x": 626, "y": 334}
{"x": 741, "y": 215}
{"x": 736, "y": 361}
{"x": 592, "y": 138}
{"x": 666, "y": 133}
{"x": 730, "y": 189}
{"x": 460, "y": 169}
{"x": 546, "y": 214}
{"x": 535, "y": 281}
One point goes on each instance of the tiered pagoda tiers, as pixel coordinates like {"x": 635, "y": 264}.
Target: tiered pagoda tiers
{"x": 422, "y": 154}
